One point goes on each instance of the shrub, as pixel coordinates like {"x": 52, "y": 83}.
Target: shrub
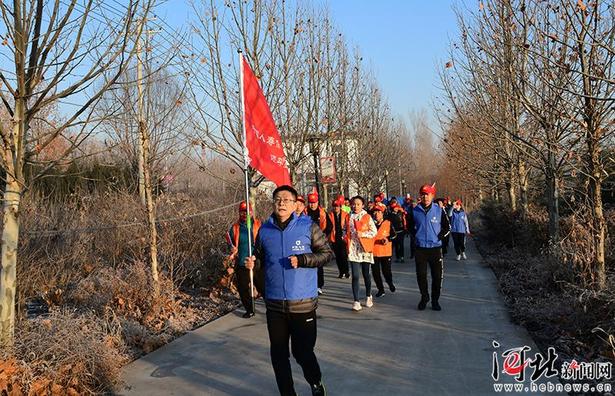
{"x": 63, "y": 353}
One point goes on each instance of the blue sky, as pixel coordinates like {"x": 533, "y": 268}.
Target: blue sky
{"x": 404, "y": 42}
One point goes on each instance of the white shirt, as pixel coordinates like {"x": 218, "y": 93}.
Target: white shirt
{"x": 356, "y": 252}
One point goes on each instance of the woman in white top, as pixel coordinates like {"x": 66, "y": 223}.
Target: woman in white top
{"x": 360, "y": 232}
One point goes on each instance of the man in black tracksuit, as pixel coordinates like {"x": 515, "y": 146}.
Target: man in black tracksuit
{"x": 429, "y": 224}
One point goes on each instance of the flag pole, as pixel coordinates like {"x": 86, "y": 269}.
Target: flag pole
{"x": 246, "y": 162}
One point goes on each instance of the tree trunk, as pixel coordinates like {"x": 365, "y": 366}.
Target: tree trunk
{"x": 10, "y": 231}
{"x": 523, "y": 187}
{"x": 150, "y": 209}
{"x": 512, "y": 195}
{"x": 552, "y": 197}
{"x": 599, "y": 223}
{"x": 8, "y": 270}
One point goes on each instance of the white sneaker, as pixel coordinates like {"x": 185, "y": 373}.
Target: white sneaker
{"x": 463, "y": 256}
{"x": 458, "y": 257}
{"x": 369, "y": 302}
{"x": 319, "y": 290}
{"x": 356, "y": 306}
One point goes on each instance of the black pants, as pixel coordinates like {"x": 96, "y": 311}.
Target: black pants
{"x": 412, "y": 246}
{"x": 398, "y": 244}
{"x": 459, "y": 240}
{"x": 433, "y": 259}
{"x": 383, "y": 263}
{"x": 243, "y": 286}
{"x": 301, "y": 329}
{"x": 321, "y": 277}
{"x": 341, "y": 257}
{"x": 445, "y": 243}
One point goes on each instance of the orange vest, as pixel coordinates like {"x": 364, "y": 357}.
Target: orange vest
{"x": 343, "y": 218}
{"x": 383, "y": 249}
{"x": 366, "y": 243}
{"x": 256, "y": 225}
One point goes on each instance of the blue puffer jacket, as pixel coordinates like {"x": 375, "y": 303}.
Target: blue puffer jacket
{"x": 428, "y": 226}
{"x": 282, "y": 282}
{"x": 459, "y": 222}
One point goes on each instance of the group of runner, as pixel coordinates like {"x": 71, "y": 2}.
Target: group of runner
{"x": 292, "y": 246}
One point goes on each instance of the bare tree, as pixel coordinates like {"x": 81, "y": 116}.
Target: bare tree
{"x": 592, "y": 105}
{"x": 61, "y": 50}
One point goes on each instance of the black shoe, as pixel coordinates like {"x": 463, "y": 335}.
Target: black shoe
{"x": 347, "y": 276}
{"x": 423, "y": 304}
{"x": 318, "y": 389}
{"x": 247, "y": 315}
{"x": 340, "y": 276}
{"x": 435, "y": 306}
{"x": 380, "y": 293}
{"x": 392, "y": 288}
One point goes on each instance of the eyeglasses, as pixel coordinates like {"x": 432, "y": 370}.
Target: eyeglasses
{"x": 284, "y": 201}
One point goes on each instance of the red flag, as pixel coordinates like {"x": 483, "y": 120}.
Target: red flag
{"x": 263, "y": 143}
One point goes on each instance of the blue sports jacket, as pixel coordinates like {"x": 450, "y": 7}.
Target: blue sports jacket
{"x": 301, "y": 238}
{"x": 459, "y": 222}
{"x": 430, "y": 225}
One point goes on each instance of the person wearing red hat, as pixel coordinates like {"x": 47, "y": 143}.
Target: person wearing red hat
{"x": 338, "y": 220}
{"x": 237, "y": 238}
{"x": 319, "y": 216}
{"x": 370, "y": 208}
{"x": 300, "y": 211}
{"x": 383, "y": 250}
{"x": 459, "y": 228}
{"x": 397, "y": 217}
{"x": 429, "y": 224}
{"x": 442, "y": 204}
{"x": 409, "y": 205}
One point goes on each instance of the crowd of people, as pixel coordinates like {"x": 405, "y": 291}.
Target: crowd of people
{"x": 282, "y": 259}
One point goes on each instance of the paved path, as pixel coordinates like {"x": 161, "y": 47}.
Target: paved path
{"x": 390, "y": 349}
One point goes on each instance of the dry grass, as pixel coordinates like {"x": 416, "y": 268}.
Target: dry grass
{"x": 550, "y": 295}
{"x": 97, "y": 286}
{"x": 65, "y": 352}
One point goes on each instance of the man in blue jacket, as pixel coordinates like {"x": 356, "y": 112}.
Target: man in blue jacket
{"x": 290, "y": 248}
{"x": 429, "y": 224}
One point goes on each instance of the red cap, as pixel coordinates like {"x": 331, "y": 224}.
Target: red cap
{"x": 243, "y": 207}
{"x": 380, "y": 207}
{"x": 377, "y": 198}
{"x": 301, "y": 199}
{"x": 458, "y": 202}
{"x": 428, "y": 188}
{"x": 312, "y": 198}
{"x": 336, "y": 202}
